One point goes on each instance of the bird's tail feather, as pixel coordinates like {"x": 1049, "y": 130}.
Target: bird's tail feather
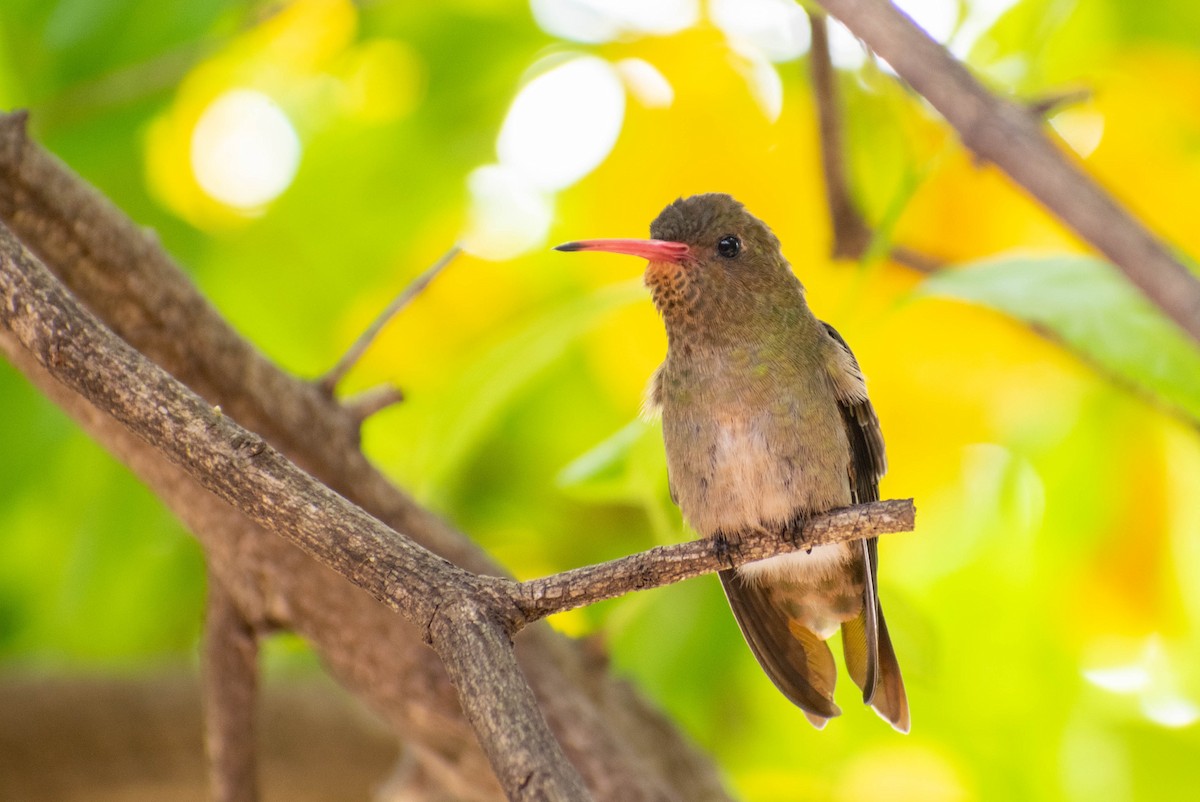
{"x": 795, "y": 658}
{"x": 890, "y": 701}
{"x": 880, "y": 680}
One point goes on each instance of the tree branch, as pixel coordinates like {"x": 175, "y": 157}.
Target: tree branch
{"x": 368, "y": 402}
{"x": 467, "y": 619}
{"x": 230, "y": 697}
{"x": 1011, "y": 137}
{"x": 664, "y": 565}
{"x": 852, "y": 235}
{"x": 624, "y": 748}
{"x": 239, "y": 467}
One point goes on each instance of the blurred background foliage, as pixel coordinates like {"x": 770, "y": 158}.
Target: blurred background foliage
{"x": 305, "y": 160}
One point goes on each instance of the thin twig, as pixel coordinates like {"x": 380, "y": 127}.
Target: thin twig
{"x": 1011, "y": 137}
{"x": 1052, "y": 103}
{"x": 330, "y": 380}
{"x": 665, "y": 565}
{"x": 368, "y": 402}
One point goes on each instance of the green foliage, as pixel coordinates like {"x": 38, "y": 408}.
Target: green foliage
{"x": 1094, "y": 310}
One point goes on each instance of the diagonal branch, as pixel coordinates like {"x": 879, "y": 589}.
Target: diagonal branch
{"x": 624, "y": 747}
{"x": 239, "y": 467}
{"x": 1011, "y": 137}
{"x": 852, "y": 235}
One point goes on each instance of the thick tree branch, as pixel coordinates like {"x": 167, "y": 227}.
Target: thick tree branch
{"x": 239, "y": 467}
{"x": 498, "y": 702}
{"x": 625, "y": 749}
{"x": 1011, "y": 137}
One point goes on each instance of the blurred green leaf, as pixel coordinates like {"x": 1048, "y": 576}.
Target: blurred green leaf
{"x": 1093, "y": 309}
{"x": 487, "y": 387}
{"x": 627, "y": 468}
{"x": 601, "y": 474}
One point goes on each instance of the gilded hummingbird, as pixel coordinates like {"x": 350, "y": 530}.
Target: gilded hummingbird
{"x": 766, "y": 421}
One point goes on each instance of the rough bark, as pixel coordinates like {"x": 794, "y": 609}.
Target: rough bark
{"x": 621, "y": 745}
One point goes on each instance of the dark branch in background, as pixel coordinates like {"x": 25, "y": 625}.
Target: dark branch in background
{"x": 466, "y": 618}
{"x": 1049, "y": 105}
{"x": 330, "y": 380}
{"x": 1011, "y": 137}
{"x": 851, "y": 235}
{"x": 230, "y": 697}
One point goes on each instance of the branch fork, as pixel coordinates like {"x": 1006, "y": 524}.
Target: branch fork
{"x": 469, "y": 619}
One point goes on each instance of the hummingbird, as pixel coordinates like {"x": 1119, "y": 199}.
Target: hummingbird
{"x": 766, "y": 422}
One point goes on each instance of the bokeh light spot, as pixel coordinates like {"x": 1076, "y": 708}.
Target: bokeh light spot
{"x": 1171, "y": 711}
{"x": 845, "y": 50}
{"x": 646, "y": 83}
{"x": 507, "y": 215}
{"x": 1119, "y": 679}
{"x": 778, "y": 28}
{"x": 1153, "y": 675}
{"x": 596, "y": 21}
{"x": 1080, "y": 128}
{"x": 563, "y": 123}
{"x": 766, "y": 87}
{"x": 244, "y": 150}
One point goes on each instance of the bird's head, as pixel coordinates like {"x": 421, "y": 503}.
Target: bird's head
{"x": 710, "y": 261}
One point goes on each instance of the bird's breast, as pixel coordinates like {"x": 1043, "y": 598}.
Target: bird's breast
{"x": 735, "y": 469}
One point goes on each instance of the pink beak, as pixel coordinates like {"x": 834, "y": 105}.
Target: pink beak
{"x": 656, "y": 250}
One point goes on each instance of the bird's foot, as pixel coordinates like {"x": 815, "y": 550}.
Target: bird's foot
{"x": 725, "y": 546}
{"x": 793, "y": 531}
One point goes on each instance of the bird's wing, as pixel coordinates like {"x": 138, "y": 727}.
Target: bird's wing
{"x": 869, "y": 461}
{"x": 870, "y": 658}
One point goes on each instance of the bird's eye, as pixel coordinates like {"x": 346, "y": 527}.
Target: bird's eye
{"x": 729, "y": 246}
